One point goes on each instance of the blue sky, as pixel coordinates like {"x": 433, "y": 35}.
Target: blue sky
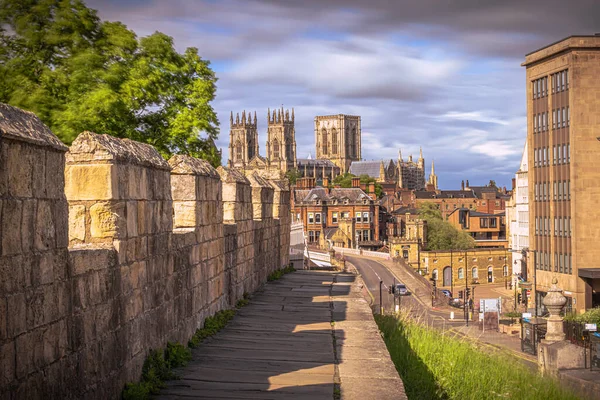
{"x": 447, "y": 79}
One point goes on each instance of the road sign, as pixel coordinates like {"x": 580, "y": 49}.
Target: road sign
{"x": 489, "y": 305}
{"x": 591, "y": 327}
{"x": 526, "y": 315}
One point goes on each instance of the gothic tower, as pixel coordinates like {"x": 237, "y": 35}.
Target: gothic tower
{"x": 243, "y": 139}
{"x": 281, "y": 140}
{"x": 338, "y": 139}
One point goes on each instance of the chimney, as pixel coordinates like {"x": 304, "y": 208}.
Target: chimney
{"x": 356, "y": 182}
{"x": 372, "y": 190}
{"x": 514, "y": 183}
{"x": 467, "y": 183}
{"x": 462, "y": 185}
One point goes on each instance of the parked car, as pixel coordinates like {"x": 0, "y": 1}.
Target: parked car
{"x": 401, "y": 289}
{"x": 447, "y": 293}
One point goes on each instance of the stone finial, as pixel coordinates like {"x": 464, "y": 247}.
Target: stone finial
{"x": 554, "y": 302}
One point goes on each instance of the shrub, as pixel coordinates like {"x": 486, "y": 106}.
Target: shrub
{"x": 212, "y": 325}
{"x": 591, "y": 316}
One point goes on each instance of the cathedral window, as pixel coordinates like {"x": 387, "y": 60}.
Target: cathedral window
{"x": 324, "y": 140}
{"x": 334, "y": 141}
{"x": 275, "y": 149}
{"x": 238, "y": 151}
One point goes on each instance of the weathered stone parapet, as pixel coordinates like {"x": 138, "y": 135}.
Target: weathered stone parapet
{"x": 262, "y": 197}
{"x": 34, "y": 288}
{"x": 196, "y": 191}
{"x": 117, "y": 189}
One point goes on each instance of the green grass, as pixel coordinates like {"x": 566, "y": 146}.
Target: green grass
{"x": 277, "y": 274}
{"x": 244, "y": 301}
{"x": 437, "y": 366}
{"x": 212, "y": 325}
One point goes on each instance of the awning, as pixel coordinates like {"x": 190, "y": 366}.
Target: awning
{"x": 593, "y": 273}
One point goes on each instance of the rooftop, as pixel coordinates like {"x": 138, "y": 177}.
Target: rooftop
{"x": 570, "y": 42}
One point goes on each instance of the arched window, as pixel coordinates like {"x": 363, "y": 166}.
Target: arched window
{"x": 474, "y": 273}
{"x": 275, "y": 149}
{"x": 324, "y": 140}
{"x": 461, "y": 273}
{"x": 353, "y": 142}
{"x": 238, "y": 151}
{"x": 334, "y": 141}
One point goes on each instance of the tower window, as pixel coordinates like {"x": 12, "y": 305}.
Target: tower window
{"x": 324, "y": 140}
{"x": 275, "y": 149}
{"x": 238, "y": 151}
{"x": 334, "y": 141}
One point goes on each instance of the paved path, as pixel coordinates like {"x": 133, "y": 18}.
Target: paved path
{"x": 283, "y": 345}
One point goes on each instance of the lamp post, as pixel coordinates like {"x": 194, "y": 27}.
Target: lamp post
{"x": 451, "y": 273}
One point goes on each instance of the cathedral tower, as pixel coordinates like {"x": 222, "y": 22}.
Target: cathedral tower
{"x": 281, "y": 139}
{"x": 338, "y": 138}
{"x": 243, "y": 139}
{"x": 433, "y": 180}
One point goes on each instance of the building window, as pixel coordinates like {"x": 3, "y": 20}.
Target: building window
{"x": 358, "y": 217}
{"x": 318, "y": 218}
{"x": 324, "y": 140}
{"x": 366, "y": 235}
{"x": 311, "y": 236}
{"x": 334, "y": 141}
{"x": 334, "y": 218}
{"x": 311, "y": 217}
{"x": 365, "y": 217}
{"x": 346, "y": 215}
{"x": 461, "y": 273}
{"x": 317, "y": 236}
{"x": 492, "y": 222}
{"x": 483, "y": 222}
{"x": 474, "y": 273}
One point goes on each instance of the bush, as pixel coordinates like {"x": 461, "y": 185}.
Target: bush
{"x": 435, "y": 366}
{"x": 591, "y": 316}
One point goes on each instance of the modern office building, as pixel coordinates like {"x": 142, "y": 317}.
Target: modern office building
{"x": 563, "y": 140}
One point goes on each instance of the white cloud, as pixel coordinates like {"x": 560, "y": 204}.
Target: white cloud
{"x": 476, "y": 116}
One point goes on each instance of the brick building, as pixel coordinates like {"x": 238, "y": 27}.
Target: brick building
{"x": 488, "y": 230}
{"x": 563, "y": 115}
{"x": 322, "y": 209}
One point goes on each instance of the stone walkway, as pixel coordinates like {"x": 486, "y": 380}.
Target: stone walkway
{"x": 281, "y": 346}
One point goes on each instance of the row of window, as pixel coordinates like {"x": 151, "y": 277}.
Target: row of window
{"x": 562, "y": 226}
{"x": 561, "y": 154}
{"x": 561, "y": 118}
{"x": 316, "y": 218}
{"x": 562, "y": 262}
{"x": 561, "y": 191}
{"x": 559, "y": 80}
{"x": 475, "y": 272}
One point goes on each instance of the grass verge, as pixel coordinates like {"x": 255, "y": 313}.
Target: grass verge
{"x": 436, "y": 366}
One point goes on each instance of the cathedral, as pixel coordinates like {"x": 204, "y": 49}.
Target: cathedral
{"x": 338, "y": 150}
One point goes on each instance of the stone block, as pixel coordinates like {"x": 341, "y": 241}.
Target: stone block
{"x": 11, "y": 226}
{"x": 91, "y": 182}
{"x": 132, "y": 219}
{"x": 87, "y": 258}
{"x": 16, "y": 321}
{"x": 45, "y": 234}
{"x": 183, "y": 188}
{"x": 30, "y": 352}
{"x": 108, "y": 220}
{"x": 55, "y": 182}
{"x": 19, "y": 164}
{"x": 7, "y": 364}
{"x": 28, "y": 225}
{"x": 137, "y": 182}
{"x": 77, "y": 222}
{"x": 185, "y": 214}
{"x": 61, "y": 222}
{"x": 142, "y": 226}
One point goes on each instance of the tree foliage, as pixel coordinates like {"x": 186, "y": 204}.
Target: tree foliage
{"x": 293, "y": 175}
{"x": 442, "y": 235}
{"x": 345, "y": 181}
{"x": 76, "y": 72}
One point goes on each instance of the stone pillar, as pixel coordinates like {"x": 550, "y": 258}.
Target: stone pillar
{"x": 554, "y": 302}
{"x": 282, "y": 220}
{"x": 262, "y": 207}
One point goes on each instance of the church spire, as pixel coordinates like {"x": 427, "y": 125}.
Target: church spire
{"x": 432, "y": 168}
{"x": 420, "y": 153}
{"x": 399, "y": 155}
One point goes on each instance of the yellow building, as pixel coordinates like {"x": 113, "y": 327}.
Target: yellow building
{"x": 563, "y": 131}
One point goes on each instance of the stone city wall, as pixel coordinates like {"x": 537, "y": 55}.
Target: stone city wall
{"x": 108, "y": 251}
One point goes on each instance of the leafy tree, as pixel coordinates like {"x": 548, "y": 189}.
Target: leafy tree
{"x": 76, "y": 72}
{"x": 442, "y": 235}
{"x": 492, "y": 183}
{"x": 292, "y": 175}
{"x": 345, "y": 181}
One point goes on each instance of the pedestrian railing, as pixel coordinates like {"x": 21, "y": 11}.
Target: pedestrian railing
{"x": 532, "y": 332}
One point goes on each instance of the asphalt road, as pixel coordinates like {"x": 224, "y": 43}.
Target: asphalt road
{"x": 373, "y": 272}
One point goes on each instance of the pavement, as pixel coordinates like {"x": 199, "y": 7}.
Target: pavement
{"x": 310, "y": 334}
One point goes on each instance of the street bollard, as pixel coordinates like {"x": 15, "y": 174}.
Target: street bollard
{"x": 397, "y": 308}
{"x": 451, "y": 314}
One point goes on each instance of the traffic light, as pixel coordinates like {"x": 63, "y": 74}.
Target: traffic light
{"x": 467, "y": 293}
{"x": 460, "y": 294}
{"x": 519, "y": 298}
